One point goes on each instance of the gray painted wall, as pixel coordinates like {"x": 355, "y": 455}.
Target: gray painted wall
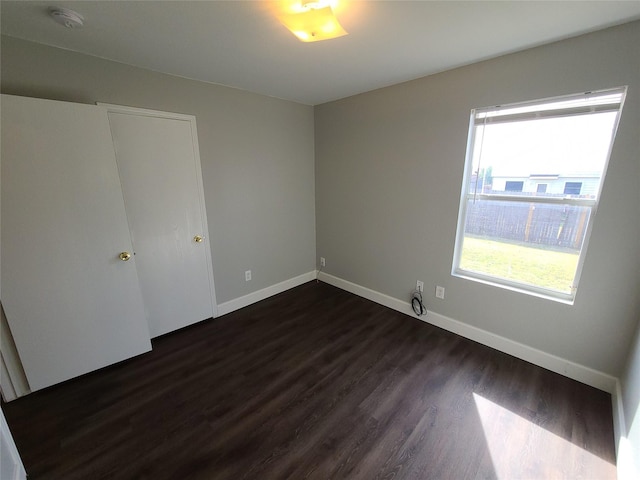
{"x": 389, "y": 167}
{"x": 387, "y": 177}
{"x": 257, "y": 155}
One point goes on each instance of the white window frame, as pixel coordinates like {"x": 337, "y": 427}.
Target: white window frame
{"x": 524, "y": 111}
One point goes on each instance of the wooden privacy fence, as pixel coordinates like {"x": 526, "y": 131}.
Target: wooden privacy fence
{"x": 539, "y": 224}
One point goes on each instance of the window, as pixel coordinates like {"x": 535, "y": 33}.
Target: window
{"x": 513, "y": 231}
{"x": 572, "y": 188}
{"x": 511, "y": 186}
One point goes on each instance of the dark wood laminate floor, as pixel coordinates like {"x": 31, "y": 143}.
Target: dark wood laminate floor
{"x": 316, "y": 383}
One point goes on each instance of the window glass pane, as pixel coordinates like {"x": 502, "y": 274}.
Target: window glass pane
{"x": 559, "y": 151}
{"x": 513, "y": 186}
{"x": 528, "y": 243}
{"x": 572, "y": 188}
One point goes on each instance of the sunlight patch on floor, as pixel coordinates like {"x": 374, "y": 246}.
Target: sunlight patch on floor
{"x": 520, "y": 449}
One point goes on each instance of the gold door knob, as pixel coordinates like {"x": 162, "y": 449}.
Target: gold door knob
{"x": 198, "y": 239}
{"x": 125, "y": 256}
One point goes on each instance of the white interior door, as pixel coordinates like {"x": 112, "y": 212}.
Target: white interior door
{"x": 72, "y": 304}
{"x": 159, "y": 169}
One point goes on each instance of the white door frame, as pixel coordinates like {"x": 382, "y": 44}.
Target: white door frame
{"x": 9, "y": 453}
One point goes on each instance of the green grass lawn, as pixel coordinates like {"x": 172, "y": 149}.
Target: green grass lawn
{"x": 533, "y": 266}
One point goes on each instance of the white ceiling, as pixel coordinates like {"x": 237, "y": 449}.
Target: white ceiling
{"x": 241, "y": 44}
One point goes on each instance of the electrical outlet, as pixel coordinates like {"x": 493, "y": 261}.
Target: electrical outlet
{"x": 440, "y": 292}
{"x": 247, "y": 275}
{"x": 323, "y": 262}
{"x": 420, "y": 286}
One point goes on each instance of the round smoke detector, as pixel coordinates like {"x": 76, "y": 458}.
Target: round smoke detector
{"x": 66, "y": 17}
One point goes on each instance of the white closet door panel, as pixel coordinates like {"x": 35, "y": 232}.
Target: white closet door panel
{"x": 72, "y": 305}
{"x": 161, "y": 182}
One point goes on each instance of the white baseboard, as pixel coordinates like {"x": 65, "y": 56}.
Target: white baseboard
{"x": 625, "y": 461}
{"x": 619, "y": 423}
{"x": 581, "y": 373}
{"x": 251, "y": 298}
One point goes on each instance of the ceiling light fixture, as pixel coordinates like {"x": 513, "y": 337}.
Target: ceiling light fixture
{"x": 312, "y": 21}
{"x": 66, "y": 17}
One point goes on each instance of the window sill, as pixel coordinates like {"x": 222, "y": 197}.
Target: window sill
{"x": 513, "y": 287}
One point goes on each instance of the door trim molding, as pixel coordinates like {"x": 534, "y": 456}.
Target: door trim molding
{"x": 10, "y": 451}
